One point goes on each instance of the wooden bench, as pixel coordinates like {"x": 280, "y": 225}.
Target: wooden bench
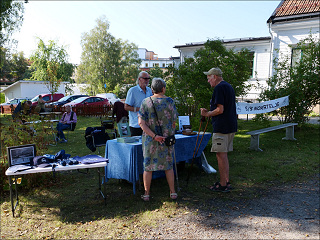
{"x": 254, "y": 144}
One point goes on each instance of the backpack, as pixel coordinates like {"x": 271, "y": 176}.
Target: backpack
{"x": 73, "y": 125}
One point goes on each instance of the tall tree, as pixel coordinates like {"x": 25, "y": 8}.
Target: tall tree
{"x": 14, "y": 67}
{"x": 11, "y": 18}
{"x": 50, "y": 65}
{"x": 106, "y": 62}
{"x": 189, "y": 86}
{"x": 299, "y": 79}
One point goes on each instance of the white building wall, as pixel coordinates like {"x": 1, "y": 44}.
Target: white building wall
{"x": 290, "y": 33}
{"x": 142, "y": 53}
{"x": 28, "y": 89}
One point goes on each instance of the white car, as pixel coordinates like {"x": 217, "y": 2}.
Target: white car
{"x": 112, "y": 98}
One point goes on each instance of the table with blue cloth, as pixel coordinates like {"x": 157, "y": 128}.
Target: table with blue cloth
{"x": 126, "y": 159}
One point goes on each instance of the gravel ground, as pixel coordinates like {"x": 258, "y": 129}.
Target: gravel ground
{"x": 290, "y": 211}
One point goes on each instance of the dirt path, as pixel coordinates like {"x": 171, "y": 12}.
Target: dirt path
{"x": 286, "y": 212}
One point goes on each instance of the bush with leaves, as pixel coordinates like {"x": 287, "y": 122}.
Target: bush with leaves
{"x": 15, "y": 134}
{"x": 188, "y": 85}
{"x": 300, "y": 81}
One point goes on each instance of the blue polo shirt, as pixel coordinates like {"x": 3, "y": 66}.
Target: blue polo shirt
{"x": 135, "y": 96}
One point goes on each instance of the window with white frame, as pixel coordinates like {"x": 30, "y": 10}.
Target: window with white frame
{"x": 163, "y": 65}
{"x": 146, "y": 64}
{"x": 155, "y": 64}
{"x": 296, "y": 56}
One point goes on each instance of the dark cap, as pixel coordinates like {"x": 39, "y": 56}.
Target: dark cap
{"x": 41, "y": 162}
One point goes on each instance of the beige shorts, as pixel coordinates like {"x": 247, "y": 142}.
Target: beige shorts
{"x": 222, "y": 142}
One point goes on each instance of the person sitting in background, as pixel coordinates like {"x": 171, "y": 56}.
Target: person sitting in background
{"x": 65, "y": 122}
{"x": 41, "y": 105}
{"x": 23, "y": 108}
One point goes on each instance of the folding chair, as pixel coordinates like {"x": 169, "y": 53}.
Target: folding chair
{"x": 99, "y": 137}
{"x": 108, "y": 122}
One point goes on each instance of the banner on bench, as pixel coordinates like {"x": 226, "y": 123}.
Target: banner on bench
{"x": 264, "y": 107}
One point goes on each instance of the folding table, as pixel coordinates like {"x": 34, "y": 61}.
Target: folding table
{"x": 11, "y": 174}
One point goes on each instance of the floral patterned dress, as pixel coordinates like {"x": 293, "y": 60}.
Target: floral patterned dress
{"x": 158, "y": 156}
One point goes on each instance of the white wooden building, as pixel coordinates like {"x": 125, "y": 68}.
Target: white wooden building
{"x": 30, "y": 89}
{"x": 291, "y": 21}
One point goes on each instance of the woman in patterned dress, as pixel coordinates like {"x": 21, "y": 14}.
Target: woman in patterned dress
{"x": 157, "y": 156}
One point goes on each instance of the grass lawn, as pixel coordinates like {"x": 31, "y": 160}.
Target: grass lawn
{"x": 69, "y": 205}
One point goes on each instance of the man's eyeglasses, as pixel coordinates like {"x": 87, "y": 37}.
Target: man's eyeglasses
{"x": 146, "y": 78}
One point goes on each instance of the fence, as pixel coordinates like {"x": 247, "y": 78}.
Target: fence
{"x": 90, "y": 111}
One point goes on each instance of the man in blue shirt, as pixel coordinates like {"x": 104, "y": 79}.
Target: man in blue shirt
{"x": 224, "y": 123}
{"x": 134, "y": 98}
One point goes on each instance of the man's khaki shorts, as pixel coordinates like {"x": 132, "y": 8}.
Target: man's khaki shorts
{"x": 222, "y": 142}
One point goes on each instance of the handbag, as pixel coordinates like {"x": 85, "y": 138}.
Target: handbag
{"x": 169, "y": 141}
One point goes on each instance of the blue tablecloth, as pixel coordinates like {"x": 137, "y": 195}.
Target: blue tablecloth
{"x": 126, "y": 159}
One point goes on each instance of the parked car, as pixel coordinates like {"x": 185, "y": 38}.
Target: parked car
{"x": 6, "y": 107}
{"x": 110, "y": 96}
{"x": 66, "y": 99}
{"x": 47, "y": 97}
{"x": 88, "y": 101}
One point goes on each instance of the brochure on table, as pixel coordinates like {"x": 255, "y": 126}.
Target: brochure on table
{"x": 183, "y": 120}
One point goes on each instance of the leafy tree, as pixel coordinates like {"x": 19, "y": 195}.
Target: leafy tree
{"x": 299, "y": 80}
{"x": 156, "y": 72}
{"x": 11, "y": 18}
{"x": 50, "y": 65}
{"x": 14, "y": 66}
{"x": 188, "y": 85}
{"x": 107, "y": 63}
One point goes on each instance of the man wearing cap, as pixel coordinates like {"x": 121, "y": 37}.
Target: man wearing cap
{"x": 134, "y": 98}
{"x": 224, "y": 122}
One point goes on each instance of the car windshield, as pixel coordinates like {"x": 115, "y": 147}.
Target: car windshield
{"x": 35, "y": 99}
{"x": 63, "y": 99}
{"x": 79, "y": 100}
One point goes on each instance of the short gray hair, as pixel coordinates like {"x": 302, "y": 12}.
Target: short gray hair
{"x": 157, "y": 85}
{"x": 140, "y": 74}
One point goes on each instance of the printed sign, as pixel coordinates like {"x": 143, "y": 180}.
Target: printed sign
{"x": 264, "y": 107}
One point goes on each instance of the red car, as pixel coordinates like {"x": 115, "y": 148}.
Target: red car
{"x": 88, "y": 105}
{"x": 47, "y": 97}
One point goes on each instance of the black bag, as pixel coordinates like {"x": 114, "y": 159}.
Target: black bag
{"x": 169, "y": 141}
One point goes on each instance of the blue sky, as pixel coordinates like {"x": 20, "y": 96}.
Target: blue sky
{"x": 157, "y": 26}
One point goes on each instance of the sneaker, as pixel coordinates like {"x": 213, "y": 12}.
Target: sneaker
{"x": 63, "y": 141}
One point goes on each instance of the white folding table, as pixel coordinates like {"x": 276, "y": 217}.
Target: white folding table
{"x": 57, "y": 168}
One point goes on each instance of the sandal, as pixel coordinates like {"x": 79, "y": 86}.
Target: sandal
{"x": 173, "y": 196}
{"x": 219, "y": 188}
{"x": 145, "y": 198}
{"x": 228, "y": 185}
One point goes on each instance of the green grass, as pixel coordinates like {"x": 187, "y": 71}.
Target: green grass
{"x": 69, "y": 206}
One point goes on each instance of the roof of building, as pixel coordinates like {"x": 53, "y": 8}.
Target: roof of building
{"x": 246, "y": 39}
{"x": 295, "y": 9}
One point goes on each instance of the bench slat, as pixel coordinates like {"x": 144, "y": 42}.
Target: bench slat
{"x": 254, "y": 144}
{"x": 269, "y": 129}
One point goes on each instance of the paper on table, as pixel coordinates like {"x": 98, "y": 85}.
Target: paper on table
{"x": 183, "y": 120}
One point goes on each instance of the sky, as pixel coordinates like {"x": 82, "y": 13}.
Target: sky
{"x": 157, "y": 26}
